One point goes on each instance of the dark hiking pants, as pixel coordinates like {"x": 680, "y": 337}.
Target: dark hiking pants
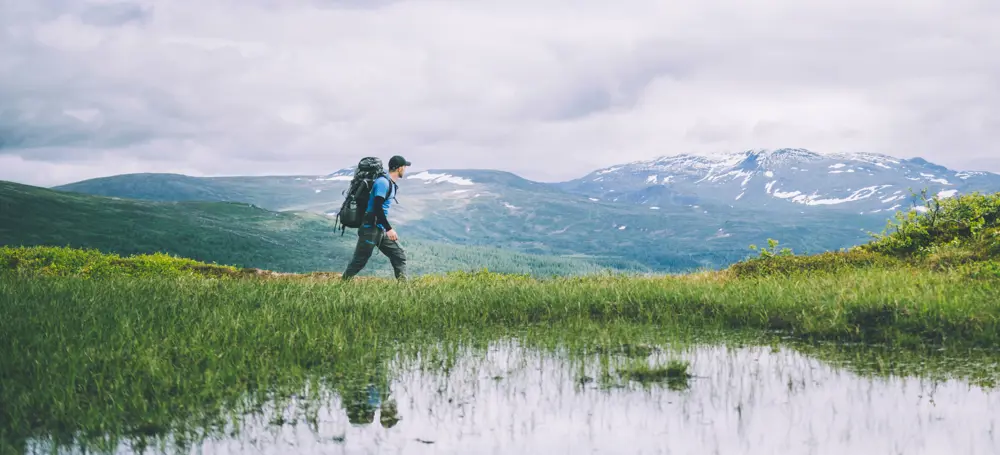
{"x": 370, "y": 238}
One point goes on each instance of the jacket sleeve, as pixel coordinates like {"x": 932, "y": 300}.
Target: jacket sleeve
{"x": 378, "y": 206}
{"x": 380, "y": 213}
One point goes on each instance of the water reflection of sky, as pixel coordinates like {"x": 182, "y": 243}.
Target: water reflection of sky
{"x": 745, "y": 401}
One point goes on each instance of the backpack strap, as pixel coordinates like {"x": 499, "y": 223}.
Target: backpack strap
{"x": 392, "y": 187}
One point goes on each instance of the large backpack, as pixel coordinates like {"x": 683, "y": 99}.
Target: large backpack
{"x": 352, "y": 210}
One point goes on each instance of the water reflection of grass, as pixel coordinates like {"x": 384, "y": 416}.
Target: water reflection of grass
{"x": 674, "y": 373}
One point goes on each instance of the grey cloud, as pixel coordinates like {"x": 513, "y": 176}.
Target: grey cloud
{"x": 346, "y": 4}
{"x": 706, "y": 131}
{"x": 115, "y": 14}
{"x": 309, "y": 85}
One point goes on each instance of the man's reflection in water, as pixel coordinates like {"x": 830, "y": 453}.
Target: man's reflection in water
{"x": 362, "y": 403}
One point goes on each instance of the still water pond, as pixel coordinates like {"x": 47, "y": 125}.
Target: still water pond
{"x": 512, "y": 400}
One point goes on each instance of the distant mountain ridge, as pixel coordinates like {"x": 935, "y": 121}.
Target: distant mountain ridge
{"x": 863, "y": 182}
{"x": 672, "y": 213}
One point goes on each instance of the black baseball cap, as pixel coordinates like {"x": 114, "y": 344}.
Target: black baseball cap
{"x": 398, "y": 161}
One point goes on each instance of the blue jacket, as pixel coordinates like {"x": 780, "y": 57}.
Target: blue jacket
{"x": 383, "y": 191}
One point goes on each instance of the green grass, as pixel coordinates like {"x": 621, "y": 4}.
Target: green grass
{"x": 674, "y": 373}
{"x": 99, "y": 344}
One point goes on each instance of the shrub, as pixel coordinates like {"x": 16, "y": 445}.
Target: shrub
{"x": 957, "y": 233}
{"x": 91, "y": 263}
{"x": 827, "y": 262}
{"x": 968, "y": 221}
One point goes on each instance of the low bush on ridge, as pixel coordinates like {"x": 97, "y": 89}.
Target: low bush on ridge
{"x": 92, "y": 263}
{"x": 959, "y": 234}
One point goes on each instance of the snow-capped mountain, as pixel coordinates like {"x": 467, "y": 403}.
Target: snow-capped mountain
{"x": 783, "y": 178}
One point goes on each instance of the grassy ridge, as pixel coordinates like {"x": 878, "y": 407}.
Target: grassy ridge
{"x": 235, "y": 234}
{"x": 960, "y": 234}
{"x": 91, "y": 263}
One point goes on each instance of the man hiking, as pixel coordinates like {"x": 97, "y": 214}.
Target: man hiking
{"x": 375, "y": 230}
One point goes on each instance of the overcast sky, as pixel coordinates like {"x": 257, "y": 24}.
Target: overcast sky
{"x": 548, "y": 89}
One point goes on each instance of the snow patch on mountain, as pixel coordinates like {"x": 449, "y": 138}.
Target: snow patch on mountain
{"x": 788, "y": 195}
{"x": 869, "y": 158}
{"x": 713, "y": 177}
{"x": 429, "y": 177}
{"x": 721, "y": 233}
{"x": 858, "y": 195}
{"x": 816, "y": 199}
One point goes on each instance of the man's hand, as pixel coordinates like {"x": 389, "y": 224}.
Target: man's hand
{"x": 391, "y": 233}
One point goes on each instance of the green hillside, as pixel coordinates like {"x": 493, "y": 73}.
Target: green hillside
{"x": 278, "y": 193}
{"x": 237, "y": 234}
